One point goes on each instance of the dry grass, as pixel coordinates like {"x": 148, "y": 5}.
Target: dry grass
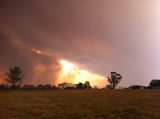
{"x": 80, "y": 104}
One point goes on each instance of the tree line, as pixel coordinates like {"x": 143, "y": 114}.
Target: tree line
{"x": 14, "y": 79}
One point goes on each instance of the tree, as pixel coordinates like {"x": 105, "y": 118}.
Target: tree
{"x": 40, "y": 86}
{"x": 14, "y": 76}
{"x": 136, "y": 87}
{"x": 87, "y": 85}
{"x": 114, "y": 80}
{"x": 66, "y": 86}
{"x": 4, "y": 86}
{"x": 80, "y": 85}
{"x": 28, "y": 87}
{"x": 47, "y": 86}
{"x": 95, "y": 87}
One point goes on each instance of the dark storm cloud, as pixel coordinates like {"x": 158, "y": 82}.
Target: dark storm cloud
{"x": 102, "y": 36}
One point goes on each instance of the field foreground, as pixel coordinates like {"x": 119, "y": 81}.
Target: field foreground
{"x": 80, "y": 104}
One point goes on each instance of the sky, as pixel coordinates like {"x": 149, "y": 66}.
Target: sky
{"x": 97, "y": 36}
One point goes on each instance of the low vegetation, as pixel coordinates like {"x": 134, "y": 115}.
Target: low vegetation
{"x": 79, "y": 104}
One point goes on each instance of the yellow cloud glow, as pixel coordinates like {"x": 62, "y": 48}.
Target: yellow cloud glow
{"x": 71, "y": 73}
{"x": 67, "y": 66}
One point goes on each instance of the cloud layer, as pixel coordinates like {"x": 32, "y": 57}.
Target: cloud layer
{"x": 100, "y": 36}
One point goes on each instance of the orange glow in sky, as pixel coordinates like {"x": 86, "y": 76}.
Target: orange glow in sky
{"x": 71, "y": 73}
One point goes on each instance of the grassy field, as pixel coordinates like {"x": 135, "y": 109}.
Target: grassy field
{"x": 80, "y": 104}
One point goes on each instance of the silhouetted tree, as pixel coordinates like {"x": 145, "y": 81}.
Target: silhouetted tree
{"x": 80, "y": 85}
{"x": 4, "y": 86}
{"x": 109, "y": 87}
{"x": 95, "y": 87}
{"x": 66, "y": 86}
{"x": 47, "y": 86}
{"x": 54, "y": 87}
{"x": 14, "y": 76}
{"x": 87, "y": 85}
{"x": 114, "y": 80}
{"x": 136, "y": 87}
{"x": 40, "y": 86}
{"x": 28, "y": 87}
